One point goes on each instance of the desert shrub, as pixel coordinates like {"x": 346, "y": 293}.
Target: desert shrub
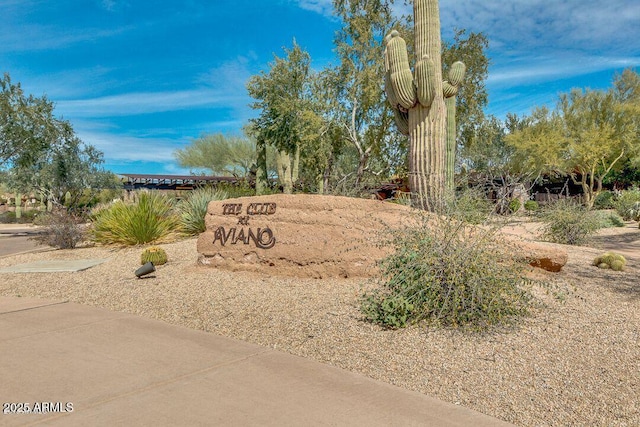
{"x": 608, "y": 219}
{"x": 240, "y": 189}
{"x": 449, "y": 274}
{"x": 151, "y": 218}
{"x": 604, "y": 200}
{"x": 568, "y": 223}
{"x": 27, "y": 217}
{"x": 514, "y": 205}
{"x": 634, "y": 212}
{"x": 531, "y": 206}
{"x": 471, "y": 206}
{"x": 194, "y": 208}
{"x": 60, "y": 229}
{"x": 625, "y": 201}
{"x": 155, "y": 255}
{"x": 610, "y": 260}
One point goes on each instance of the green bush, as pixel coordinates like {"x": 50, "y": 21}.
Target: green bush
{"x": 531, "y": 206}
{"x": 240, "y": 189}
{"x": 60, "y": 229}
{"x": 568, "y": 223}
{"x": 447, "y": 273}
{"x": 155, "y": 255}
{"x": 625, "y": 201}
{"x": 151, "y": 218}
{"x": 608, "y": 219}
{"x": 27, "y": 217}
{"x": 604, "y": 200}
{"x": 193, "y": 208}
{"x": 471, "y": 206}
{"x": 514, "y": 205}
{"x": 634, "y": 212}
{"x": 610, "y": 260}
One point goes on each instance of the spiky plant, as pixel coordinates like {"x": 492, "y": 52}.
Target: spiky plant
{"x": 193, "y": 208}
{"x": 610, "y": 260}
{"x": 418, "y": 101}
{"x": 155, "y": 255}
{"x": 151, "y": 218}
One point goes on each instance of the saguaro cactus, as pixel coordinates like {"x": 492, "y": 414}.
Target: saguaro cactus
{"x": 418, "y": 100}
{"x": 450, "y": 90}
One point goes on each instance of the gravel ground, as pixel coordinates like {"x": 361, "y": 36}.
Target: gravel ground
{"x": 576, "y": 361}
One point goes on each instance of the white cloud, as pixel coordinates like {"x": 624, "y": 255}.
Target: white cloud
{"x": 126, "y": 148}
{"x": 323, "y": 7}
{"x": 44, "y": 37}
{"x": 231, "y": 75}
{"x": 540, "y": 69}
{"x": 144, "y": 103}
{"x": 587, "y": 25}
{"x": 223, "y": 86}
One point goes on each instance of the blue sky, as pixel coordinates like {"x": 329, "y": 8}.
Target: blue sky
{"x": 139, "y": 79}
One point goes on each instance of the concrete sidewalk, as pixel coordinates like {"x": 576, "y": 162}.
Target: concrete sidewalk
{"x": 16, "y": 239}
{"x": 119, "y": 369}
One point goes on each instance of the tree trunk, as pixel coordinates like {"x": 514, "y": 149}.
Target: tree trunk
{"x": 327, "y": 174}
{"x": 362, "y": 167}
{"x": 295, "y": 171}
{"x": 283, "y": 164}
{"x": 261, "y": 167}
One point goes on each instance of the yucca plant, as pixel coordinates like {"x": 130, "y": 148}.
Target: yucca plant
{"x": 151, "y": 218}
{"x": 194, "y": 208}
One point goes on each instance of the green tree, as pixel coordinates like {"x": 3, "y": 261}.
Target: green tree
{"x": 472, "y": 97}
{"x": 493, "y": 164}
{"x": 626, "y": 89}
{"x": 585, "y": 137}
{"x": 27, "y": 124}
{"x": 42, "y": 153}
{"x": 68, "y": 173}
{"x": 598, "y": 140}
{"x": 360, "y": 109}
{"x": 220, "y": 154}
{"x": 282, "y": 96}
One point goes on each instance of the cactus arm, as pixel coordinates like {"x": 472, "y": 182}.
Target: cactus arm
{"x": 388, "y": 88}
{"x": 456, "y": 73}
{"x": 402, "y": 121}
{"x": 450, "y": 90}
{"x": 450, "y": 148}
{"x": 400, "y": 77}
{"x": 456, "y": 76}
{"x": 425, "y": 81}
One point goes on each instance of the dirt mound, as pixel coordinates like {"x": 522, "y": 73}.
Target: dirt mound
{"x": 304, "y": 235}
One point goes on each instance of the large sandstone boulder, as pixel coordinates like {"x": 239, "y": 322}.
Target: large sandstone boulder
{"x": 547, "y": 257}
{"x": 301, "y": 235}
